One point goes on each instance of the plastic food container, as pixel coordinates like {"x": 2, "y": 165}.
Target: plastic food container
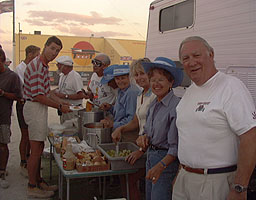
{"x": 119, "y": 163}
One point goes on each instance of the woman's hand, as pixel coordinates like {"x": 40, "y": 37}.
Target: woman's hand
{"x": 107, "y": 123}
{"x": 131, "y": 159}
{"x": 105, "y": 106}
{"x": 154, "y": 173}
{"x": 142, "y": 141}
{"x": 116, "y": 135}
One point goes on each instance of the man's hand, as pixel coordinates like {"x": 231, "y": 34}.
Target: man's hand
{"x": 233, "y": 195}
{"x": 65, "y": 109}
{"x": 60, "y": 95}
{"x": 142, "y": 141}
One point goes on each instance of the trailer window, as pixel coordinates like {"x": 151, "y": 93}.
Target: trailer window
{"x": 177, "y": 16}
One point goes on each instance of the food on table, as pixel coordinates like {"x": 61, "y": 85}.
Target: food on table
{"x": 122, "y": 153}
{"x": 57, "y": 147}
{"x": 90, "y": 159}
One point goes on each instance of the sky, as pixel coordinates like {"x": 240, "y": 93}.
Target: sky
{"x": 122, "y": 19}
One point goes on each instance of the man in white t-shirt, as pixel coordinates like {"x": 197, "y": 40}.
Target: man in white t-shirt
{"x": 100, "y": 93}
{"x": 70, "y": 88}
{"x": 216, "y": 122}
{"x": 24, "y": 147}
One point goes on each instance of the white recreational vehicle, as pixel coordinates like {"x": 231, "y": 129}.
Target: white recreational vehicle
{"x": 229, "y": 26}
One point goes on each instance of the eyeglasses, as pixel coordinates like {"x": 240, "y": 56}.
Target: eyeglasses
{"x": 97, "y": 63}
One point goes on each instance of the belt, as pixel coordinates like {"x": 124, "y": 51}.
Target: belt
{"x": 210, "y": 171}
{"x": 155, "y": 148}
{"x": 31, "y": 100}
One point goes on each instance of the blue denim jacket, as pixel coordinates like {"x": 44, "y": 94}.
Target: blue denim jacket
{"x": 125, "y": 106}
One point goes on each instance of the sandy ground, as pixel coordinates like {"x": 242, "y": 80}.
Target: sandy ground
{"x": 18, "y": 183}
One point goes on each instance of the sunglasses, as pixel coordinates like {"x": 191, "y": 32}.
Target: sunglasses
{"x": 97, "y": 63}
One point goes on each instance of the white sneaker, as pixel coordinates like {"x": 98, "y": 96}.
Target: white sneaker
{"x": 47, "y": 187}
{"x": 39, "y": 193}
{"x": 3, "y": 183}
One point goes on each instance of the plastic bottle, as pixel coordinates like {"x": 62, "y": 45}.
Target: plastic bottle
{"x": 69, "y": 158}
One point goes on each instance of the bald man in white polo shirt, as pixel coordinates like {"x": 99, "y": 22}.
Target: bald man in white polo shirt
{"x": 216, "y": 122}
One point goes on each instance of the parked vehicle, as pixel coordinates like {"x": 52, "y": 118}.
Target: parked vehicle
{"x": 229, "y": 26}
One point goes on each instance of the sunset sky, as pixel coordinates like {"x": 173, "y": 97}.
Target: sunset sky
{"x": 122, "y": 19}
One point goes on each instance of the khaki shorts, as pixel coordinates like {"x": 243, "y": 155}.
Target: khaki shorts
{"x": 5, "y": 133}
{"x": 36, "y": 117}
{"x": 191, "y": 186}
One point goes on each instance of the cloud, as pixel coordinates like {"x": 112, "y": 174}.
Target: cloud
{"x": 74, "y": 24}
{"x": 62, "y": 17}
{"x": 73, "y": 29}
{"x": 29, "y": 4}
{"x": 36, "y": 23}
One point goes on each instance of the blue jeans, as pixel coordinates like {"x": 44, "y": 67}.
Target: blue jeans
{"x": 162, "y": 190}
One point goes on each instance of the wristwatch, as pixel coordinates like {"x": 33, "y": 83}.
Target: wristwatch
{"x": 2, "y": 93}
{"x": 66, "y": 96}
{"x": 141, "y": 150}
{"x": 238, "y": 188}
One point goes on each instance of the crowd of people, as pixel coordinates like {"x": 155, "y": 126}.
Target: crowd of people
{"x": 200, "y": 146}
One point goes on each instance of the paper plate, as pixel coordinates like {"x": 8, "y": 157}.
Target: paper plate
{"x": 76, "y": 108}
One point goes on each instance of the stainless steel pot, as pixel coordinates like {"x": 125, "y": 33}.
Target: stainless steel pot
{"x": 96, "y": 134}
{"x": 87, "y": 117}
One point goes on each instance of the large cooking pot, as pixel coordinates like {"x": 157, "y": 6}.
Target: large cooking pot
{"x": 88, "y": 117}
{"x": 96, "y": 134}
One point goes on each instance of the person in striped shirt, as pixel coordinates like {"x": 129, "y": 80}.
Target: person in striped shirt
{"x": 36, "y": 93}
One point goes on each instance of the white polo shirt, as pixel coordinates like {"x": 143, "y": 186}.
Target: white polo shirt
{"x": 209, "y": 120}
{"x": 71, "y": 84}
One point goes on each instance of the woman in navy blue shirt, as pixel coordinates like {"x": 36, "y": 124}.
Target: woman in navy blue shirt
{"x": 160, "y": 136}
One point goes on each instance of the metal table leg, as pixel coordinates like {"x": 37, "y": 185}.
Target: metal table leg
{"x": 127, "y": 186}
{"x": 68, "y": 188}
{"x": 60, "y": 185}
{"x": 100, "y": 186}
{"x": 104, "y": 187}
{"x": 51, "y": 158}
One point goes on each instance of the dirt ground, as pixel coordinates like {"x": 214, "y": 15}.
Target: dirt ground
{"x": 18, "y": 183}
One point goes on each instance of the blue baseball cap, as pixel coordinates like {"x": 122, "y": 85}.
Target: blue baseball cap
{"x": 168, "y": 65}
{"x": 120, "y": 70}
{"x": 108, "y": 74}
{"x": 114, "y": 70}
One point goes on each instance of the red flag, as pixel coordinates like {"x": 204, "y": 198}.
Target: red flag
{"x": 6, "y": 6}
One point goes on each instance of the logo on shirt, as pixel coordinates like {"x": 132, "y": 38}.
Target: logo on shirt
{"x": 201, "y": 106}
{"x": 254, "y": 115}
